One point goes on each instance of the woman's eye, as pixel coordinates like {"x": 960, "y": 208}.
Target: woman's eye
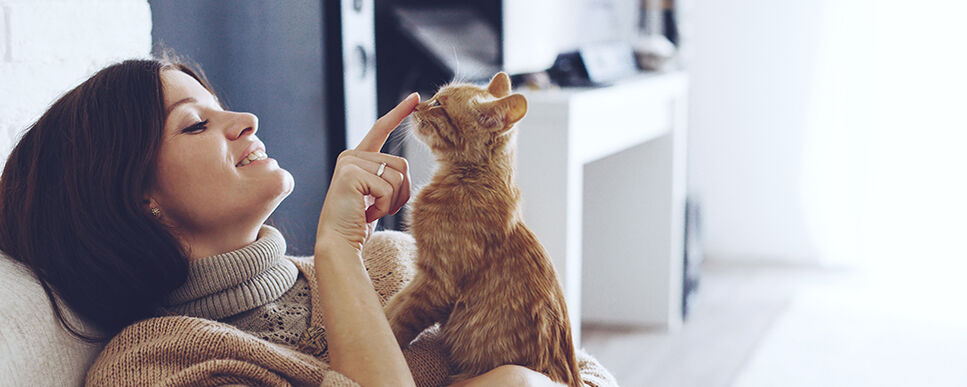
{"x": 198, "y": 127}
{"x": 436, "y": 102}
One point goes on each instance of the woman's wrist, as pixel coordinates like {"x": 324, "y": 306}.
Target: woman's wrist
{"x": 330, "y": 244}
{"x": 329, "y": 248}
{"x": 361, "y": 344}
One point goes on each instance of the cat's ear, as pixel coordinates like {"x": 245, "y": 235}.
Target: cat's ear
{"x": 499, "y": 85}
{"x": 512, "y": 108}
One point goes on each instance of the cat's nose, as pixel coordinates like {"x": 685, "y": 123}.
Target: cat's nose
{"x": 423, "y": 105}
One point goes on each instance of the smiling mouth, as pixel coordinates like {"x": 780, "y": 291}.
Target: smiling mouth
{"x": 256, "y": 155}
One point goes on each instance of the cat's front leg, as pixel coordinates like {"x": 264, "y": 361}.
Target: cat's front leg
{"x": 418, "y": 306}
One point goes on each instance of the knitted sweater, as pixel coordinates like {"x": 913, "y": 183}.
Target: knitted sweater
{"x": 255, "y": 289}
{"x": 192, "y": 350}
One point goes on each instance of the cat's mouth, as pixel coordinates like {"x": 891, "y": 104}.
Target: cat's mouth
{"x": 428, "y": 104}
{"x": 425, "y": 105}
{"x": 418, "y": 118}
{"x": 422, "y": 109}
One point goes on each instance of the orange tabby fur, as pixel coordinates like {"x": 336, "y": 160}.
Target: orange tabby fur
{"x": 481, "y": 272}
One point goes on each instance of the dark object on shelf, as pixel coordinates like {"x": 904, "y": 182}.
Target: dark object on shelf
{"x": 569, "y": 70}
{"x": 595, "y": 65}
{"x": 424, "y": 44}
{"x": 457, "y": 38}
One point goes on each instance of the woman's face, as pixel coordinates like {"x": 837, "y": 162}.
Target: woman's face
{"x": 202, "y": 186}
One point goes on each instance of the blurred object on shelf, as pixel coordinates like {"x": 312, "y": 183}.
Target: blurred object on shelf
{"x": 654, "y": 52}
{"x": 653, "y": 49}
{"x": 533, "y": 81}
{"x": 594, "y": 65}
{"x": 678, "y": 29}
{"x": 668, "y": 16}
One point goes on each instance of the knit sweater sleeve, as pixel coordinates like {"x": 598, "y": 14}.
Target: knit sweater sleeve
{"x": 593, "y": 374}
{"x": 187, "y": 351}
{"x": 389, "y": 258}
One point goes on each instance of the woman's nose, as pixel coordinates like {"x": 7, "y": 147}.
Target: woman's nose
{"x": 245, "y": 123}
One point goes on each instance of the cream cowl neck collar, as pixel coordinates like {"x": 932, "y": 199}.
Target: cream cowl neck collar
{"x": 230, "y": 283}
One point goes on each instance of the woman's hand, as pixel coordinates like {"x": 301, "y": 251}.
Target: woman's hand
{"x": 359, "y": 194}
{"x": 509, "y": 375}
{"x": 361, "y": 344}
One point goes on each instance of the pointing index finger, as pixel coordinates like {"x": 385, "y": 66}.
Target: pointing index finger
{"x": 376, "y": 137}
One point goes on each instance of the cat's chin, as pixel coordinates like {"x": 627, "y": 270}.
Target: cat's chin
{"x": 420, "y": 132}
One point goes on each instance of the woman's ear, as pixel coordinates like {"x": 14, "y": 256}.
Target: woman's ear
{"x": 512, "y": 108}
{"x": 499, "y": 85}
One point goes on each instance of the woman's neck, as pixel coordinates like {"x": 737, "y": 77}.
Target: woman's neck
{"x": 224, "y": 239}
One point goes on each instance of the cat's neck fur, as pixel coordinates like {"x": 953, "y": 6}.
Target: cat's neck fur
{"x": 498, "y": 168}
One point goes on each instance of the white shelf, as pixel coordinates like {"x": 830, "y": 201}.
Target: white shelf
{"x": 602, "y": 173}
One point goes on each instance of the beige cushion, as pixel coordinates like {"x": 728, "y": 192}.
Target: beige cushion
{"x": 35, "y": 350}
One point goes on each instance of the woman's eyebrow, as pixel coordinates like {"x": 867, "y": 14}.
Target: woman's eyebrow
{"x": 179, "y": 103}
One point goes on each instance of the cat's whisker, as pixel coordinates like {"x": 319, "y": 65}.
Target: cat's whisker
{"x": 408, "y": 126}
{"x": 445, "y": 84}
{"x": 402, "y": 136}
{"x": 456, "y": 59}
{"x": 399, "y": 136}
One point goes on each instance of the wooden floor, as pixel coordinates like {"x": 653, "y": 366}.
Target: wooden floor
{"x": 731, "y": 313}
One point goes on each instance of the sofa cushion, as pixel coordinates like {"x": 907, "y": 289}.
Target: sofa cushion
{"x": 35, "y": 350}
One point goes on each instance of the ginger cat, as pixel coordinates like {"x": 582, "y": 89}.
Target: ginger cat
{"x": 481, "y": 273}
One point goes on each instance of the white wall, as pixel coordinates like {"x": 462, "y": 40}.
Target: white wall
{"x": 831, "y": 131}
{"x": 48, "y": 47}
{"x": 535, "y": 31}
{"x": 751, "y": 67}
{"x": 886, "y": 182}
{"x": 752, "y": 64}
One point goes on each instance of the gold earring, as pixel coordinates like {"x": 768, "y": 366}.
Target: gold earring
{"x": 156, "y": 212}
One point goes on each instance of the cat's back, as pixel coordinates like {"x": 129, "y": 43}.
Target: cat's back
{"x": 465, "y": 204}
{"x": 533, "y": 263}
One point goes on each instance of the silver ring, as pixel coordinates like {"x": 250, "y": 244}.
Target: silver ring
{"x": 379, "y": 172}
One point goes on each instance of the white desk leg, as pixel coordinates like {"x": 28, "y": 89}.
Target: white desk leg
{"x": 571, "y": 273}
{"x": 633, "y": 242}
{"x": 632, "y": 238}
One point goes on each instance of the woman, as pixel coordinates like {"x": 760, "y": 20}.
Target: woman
{"x": 138, "y": 195}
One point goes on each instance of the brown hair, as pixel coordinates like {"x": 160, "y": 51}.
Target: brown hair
{"x": 72, "y": 199}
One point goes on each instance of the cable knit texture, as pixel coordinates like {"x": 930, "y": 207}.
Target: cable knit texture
{"x": 230, "y": 283}
{"x": 255, "y": 289}
{"x": 195, "y": 351}
{"x": 283, "y": 321}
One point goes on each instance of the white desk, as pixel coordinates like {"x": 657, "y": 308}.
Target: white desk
{"x": 602, "y": 174}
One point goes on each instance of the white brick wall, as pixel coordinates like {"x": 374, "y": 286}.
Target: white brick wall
{"x": 49, "y": 46}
